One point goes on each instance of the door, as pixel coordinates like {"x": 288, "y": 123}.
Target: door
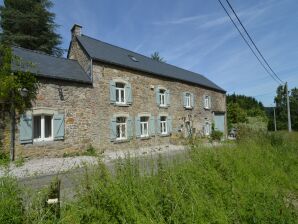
{"x": 219, "y": 122}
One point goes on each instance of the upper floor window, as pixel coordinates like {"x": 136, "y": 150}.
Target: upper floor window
{"x": 207, "y": 102}
{"x": 121, "y": 128}
{"x": 162, "y": 97}
{"x": 163, "y": 125}
{"x": 188, "y": 100}
{"x": 120, "y": 93}
{"x": 42, "y": 128}
{"x": 144, "y": 126}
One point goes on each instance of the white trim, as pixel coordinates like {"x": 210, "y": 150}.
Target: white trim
{"x": 42, "y": 128}
{"x": 163, "y": 126}
{"x": 121, "y": 124}
{"x": 142, "y": 128}
{"x": 207, "y": 102}
{"x": 122, "y": 93}
{"x": 188, "y": 100}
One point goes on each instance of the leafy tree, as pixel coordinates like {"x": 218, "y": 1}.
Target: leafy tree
{"x": 235, "y": 114}
{"x": 11, "y": 82}
{"x": 155, "y": 56}
{"x": 294, "y": 108}
{"x": 29, "y": 24}
{"x": 281, "y": 108}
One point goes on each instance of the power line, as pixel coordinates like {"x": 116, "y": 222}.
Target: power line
{"x": 266, "y": 69}
{"x": 253, "y": 41}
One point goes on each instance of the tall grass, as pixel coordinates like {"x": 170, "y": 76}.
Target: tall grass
{"x": 255, "y": 181}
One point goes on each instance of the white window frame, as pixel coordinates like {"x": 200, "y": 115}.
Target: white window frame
{"x": 120, "y": 91}
{"x": 162, "y": 97}
{"x": 188, "y": 100}
{"x": 142, "y": 126}
{"x": 42, "y": 128}
{"x": 207, "y": 102}
{"x": 163, "y": 126}
{"x": 120, "y": 125}
{"x": 207, "y": 131}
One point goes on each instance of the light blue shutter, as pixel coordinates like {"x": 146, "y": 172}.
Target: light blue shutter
{"x": 204, "y": 101}
{"x": 58, "y": 124}
{"x": 157, "y": 96}
{"x": 209, "y": 102}
{"x": 26, "y": 133}
{"x": 184, "y": 99}
{"x": 138, "y": 127}
{"x": 192, "y": 100}
{"x": 152, "y": 126}
{"x": 158, "y": 125}
{"x": 168, "y": 98}
{"x": 112, "y": 92}
{"x": 113, "y": 129}
{"x": 129, "y": 128}
{"x": 128, "y": 93}
{"x": 169, "y": 124}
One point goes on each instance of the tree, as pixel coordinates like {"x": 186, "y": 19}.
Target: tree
{"x": 29, "y": 24}
{"x": 155, "y": 56}
{"x": 281, "y": 108}
{"x": 294, "y": 108}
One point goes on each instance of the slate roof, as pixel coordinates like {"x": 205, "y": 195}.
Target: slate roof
{"x": 48, "y": 66}
{"x": 108, "y": 53}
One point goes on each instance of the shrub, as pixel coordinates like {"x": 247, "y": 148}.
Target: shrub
{"x": 216, "y": 135}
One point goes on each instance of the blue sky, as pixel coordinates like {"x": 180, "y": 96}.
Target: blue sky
{"x": 197, "y": 35}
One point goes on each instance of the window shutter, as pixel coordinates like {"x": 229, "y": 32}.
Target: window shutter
{"x": 152, "y": 126}
{"x": 26, "y": 133}
{"x": 128, "y": 93}
{"x": 157, "y": 96}
{"x": 184, "y": 99}
{"x": 192, "y": 98}
{"x": 137, "y": 126}
{"x": 169, "y": 124}
{"x": 129, "y": 128}
{"x": 112, "y": 92}
{"x": 113, "y": 129}
{"x": 204, "y": 106}
{"x": 158, "y": 125}
{"x": 168, "y": 98}
{"x": 209, "y": 102}
{"x": 58, "y": 123}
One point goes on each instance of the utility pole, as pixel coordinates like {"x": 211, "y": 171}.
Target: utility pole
{"x": 275, "y": 129}
{"x": 288, "y": 107}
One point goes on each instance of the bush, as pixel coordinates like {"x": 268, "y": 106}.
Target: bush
{"x": 216, "y": 135}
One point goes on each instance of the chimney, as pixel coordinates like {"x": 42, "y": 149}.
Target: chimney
{"x": 76, "y": 31}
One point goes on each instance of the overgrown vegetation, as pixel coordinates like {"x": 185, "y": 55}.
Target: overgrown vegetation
{"x": 254, "y": 181}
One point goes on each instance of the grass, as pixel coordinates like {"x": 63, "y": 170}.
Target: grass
{"x": 255, "y": 181}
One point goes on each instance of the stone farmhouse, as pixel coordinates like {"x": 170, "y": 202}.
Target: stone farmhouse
{"x": 113, "y": 99}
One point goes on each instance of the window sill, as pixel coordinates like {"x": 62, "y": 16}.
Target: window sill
{"x": 188, "y": 108}
{"x": 207, "y": 108}
{"x": 121, "y": 141}
{"x": 145, "y": 138}
{"x": 165, "y": 135}
{"x": 162, "y": 106}
{"x": 121, "y": 105}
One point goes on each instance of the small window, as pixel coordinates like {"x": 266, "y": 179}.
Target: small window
{"x": 207, "y": 129}
{"x": 162, "y": 97}
{"x": 207, "y": 102}
{"x": 163, "y": 125}
{"x": 188, "y": 100}
{"x": 121, "y": 128}
{"x": 144, "y": 125}
{"x": 42, "y": 128}
{"x": 120, "y": 93}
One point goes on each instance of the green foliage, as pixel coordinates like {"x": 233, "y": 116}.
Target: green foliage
{"x": 90, "y": 151}
{"x": 11, "y": 209}
{"x": 29, "y": 24}
{"x": 155, "y": 56}
{"x": 256, "y": 181}
{"x": 4, "y": 158}
{"x": 11, "y": 82}
{"x": 216, "y": 135}
{"x": 19, "y": 161}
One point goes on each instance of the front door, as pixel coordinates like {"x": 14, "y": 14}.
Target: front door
{"x": 219, "y": 122}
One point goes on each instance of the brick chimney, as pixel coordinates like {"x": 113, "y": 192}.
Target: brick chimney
{"x": 76, "y": 31}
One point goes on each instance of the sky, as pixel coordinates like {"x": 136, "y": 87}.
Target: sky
{"x": 197, "y": 35}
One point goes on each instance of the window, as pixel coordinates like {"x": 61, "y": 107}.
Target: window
{"x": 144, "y": 125}
{"x": 162, "y": 97}
{"x": 121, "y": 129}
{"x": 207, "y": 129}
{"x": 207, "y": 102}
{"x": 188, "y": 100}
{"x": 42, "y": 128}
{"x": 120, "y": 93}
{"x": 163, "y": 125}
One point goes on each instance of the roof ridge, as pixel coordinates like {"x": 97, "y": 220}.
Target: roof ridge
{"x": 142, "y": 55}
{"x": 43, "y": 53}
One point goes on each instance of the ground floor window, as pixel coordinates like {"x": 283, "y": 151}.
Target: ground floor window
{"x": 121, "y": 128}
{"x": 163, "y": 125}
{"x": 207, "y": 129}
{"x": 144, "y": 125}
{"x": 42, "y": 128}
